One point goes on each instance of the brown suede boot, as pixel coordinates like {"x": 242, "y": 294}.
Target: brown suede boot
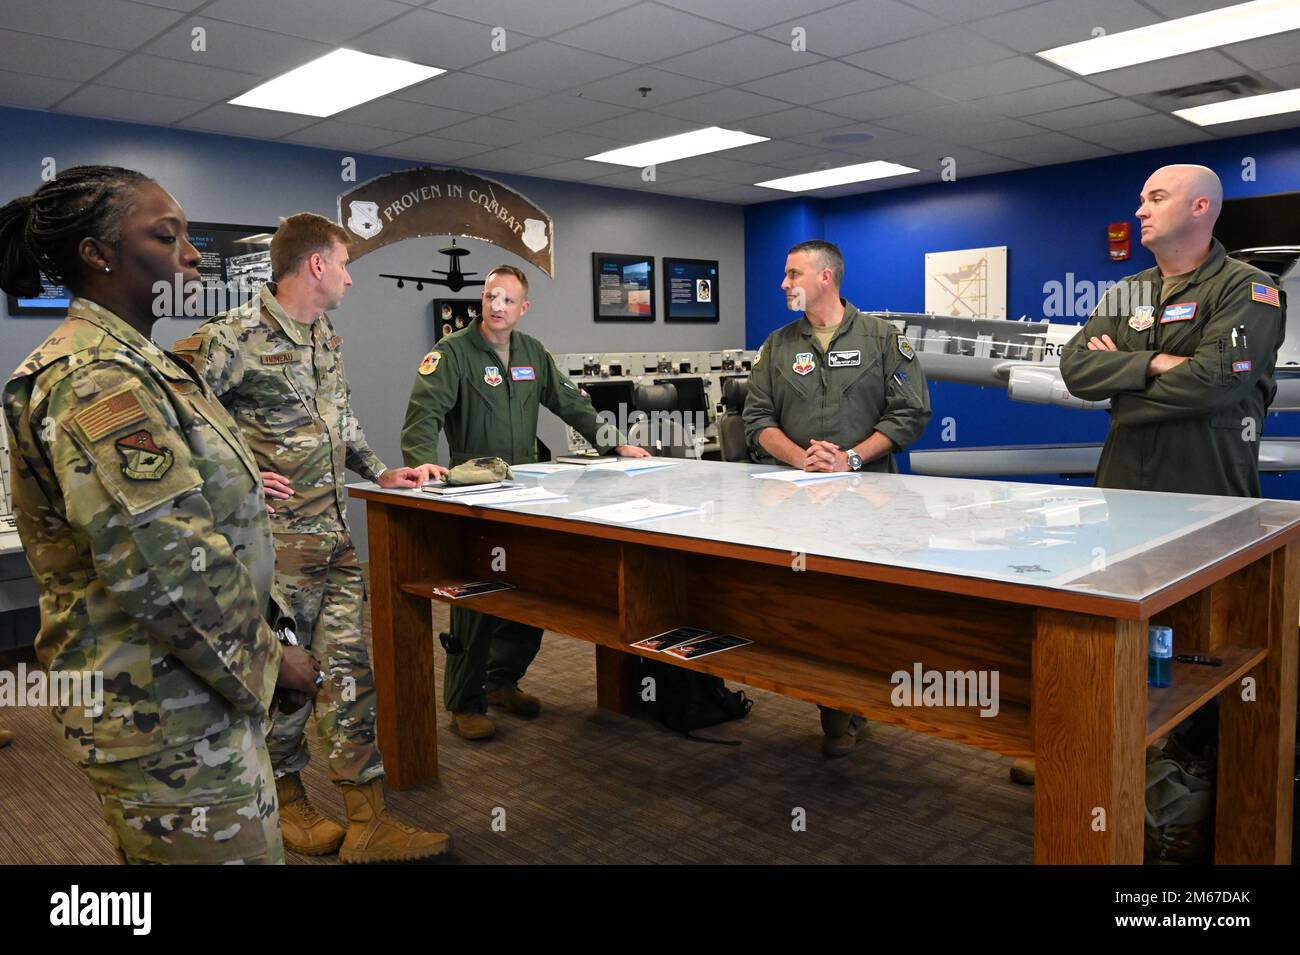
{"x": 1022, "y": 771}
{"x": 305, "y": 831}
{"x": 516, "y": 701}
{"x": 472, "y": 725}
{"x": 375, "y": 836}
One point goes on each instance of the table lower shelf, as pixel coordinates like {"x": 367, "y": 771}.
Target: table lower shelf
{"x": 1194, "y": 685}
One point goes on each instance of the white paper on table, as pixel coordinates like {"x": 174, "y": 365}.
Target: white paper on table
{"x": 545, "y": 467}
{"x": 632, "y": 512}
{"x": 793, "y": 476}
{"x": 630, "y": 465}
{"x": 519, "y": 495}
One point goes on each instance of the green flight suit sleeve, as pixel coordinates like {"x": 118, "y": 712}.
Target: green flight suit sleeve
{"x": 433, "y": 396}
{"x": 1098, "y": 375}
{"x": 1224, "y": 368}
{"x": 907, "y": 396}
{"x": 575, "y": 409}
{"x": 760, "y": 410}
{"x": 360, "y": 457}
{"x": 143, "y": 533}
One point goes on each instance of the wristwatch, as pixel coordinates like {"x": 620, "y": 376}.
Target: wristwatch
{"x": 855, "y": 460}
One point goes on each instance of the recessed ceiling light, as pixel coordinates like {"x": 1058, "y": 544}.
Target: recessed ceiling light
{"x": 822, "y": 178}
{"x": 1246, "y": 107}
{"x": 1203, "y": 31}
{"x": 682, "y": 146}
{"x": 335, "y": 82}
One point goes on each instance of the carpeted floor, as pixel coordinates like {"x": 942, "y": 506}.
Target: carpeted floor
{"x": 579, "y": 785}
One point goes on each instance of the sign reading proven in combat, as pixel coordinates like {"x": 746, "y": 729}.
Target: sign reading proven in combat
{"x": 440, "y": 201}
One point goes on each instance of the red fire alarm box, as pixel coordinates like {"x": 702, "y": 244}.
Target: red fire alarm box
{"x": 1118, "y": 234}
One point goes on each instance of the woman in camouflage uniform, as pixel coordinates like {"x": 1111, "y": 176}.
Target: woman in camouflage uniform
{"x": 141, "y": 514}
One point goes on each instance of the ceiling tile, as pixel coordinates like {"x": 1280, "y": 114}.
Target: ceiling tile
{"x": 1286, "y": 77}
{"x": 624, "y": 89}
{"x": 959, "y": 125}
{"x": 154, "y": 74}
{"x": 493, "y": 131}
{"x": 1168, "y": 74}
{"x": 235, "y": 47}
{"x": 889, "y": 101}
{"x": 516, "y": 160}
{"x": 434, "y": 39}
{"x": 61, "y": 59}
{"x": 1187, "y": 8}
{"x": 813, "y": 84}
{"x": 1090, "y": 114}
{"x": 1267, "y": 53}
{"x": 1144, "y": 132}
{"x": 33, "y": 92}
{"x": 574, "y": 145}
{"x": 534, "y": 19}
{"x": 746, "y": 195}
{"x": 469, "y": 93}
{"x": 549, "y": 66}
{"x": 714, "y": 165}
{"x": 404, "y": 115}
{"x": 957, "y": 10}
{"x": 1042, "y": 147}
{"x": 771, "y": 150}
{"x": 562, "y": 112}
{"x": 691, "y": 189}
{"x": 859, "y": 25}
{"x": 113, "y": 23}
{"x": 334, "y": 134}
{"x": 990, "y": 79}
{"x": 246, "y": 121}
{"x": 990, "y": 168}
{"x": 722, "y": 108}
{"x": 645, "y": 33}
{"x": 325, "y": 20}
{"x": 788, "y": 123}
{"x": 1249, "y": 127}
{"x": 136, "y": 108}
{"x": 953, "y": 48}
{"x": 823, "y": 159}
{"x": 1040, "y": 99}
{"x": 748, "y": 174}
{"x": 639, "y": 127}
{"x": 433, "y": 149}
{"x": 751, "y": 14}
{"x": 1058, "y": 22}
{"x": 576, "y": 169}
{"x": 739, "y": 60}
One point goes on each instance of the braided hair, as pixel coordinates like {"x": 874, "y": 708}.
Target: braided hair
{"x": 42, "y": 232}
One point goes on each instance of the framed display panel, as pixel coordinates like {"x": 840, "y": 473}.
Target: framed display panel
{"x": 622, "y": 287}
{"x": 691, "y": 290}
{"x": 453, "y": 314}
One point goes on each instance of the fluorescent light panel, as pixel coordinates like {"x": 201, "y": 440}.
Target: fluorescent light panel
{"x": 335, "y": 82}
{"x": 682, "y": 146}
{"x": 1245, "y": 107}
{"x": 1203, "y": 31}
{"x": 823, "y": 178}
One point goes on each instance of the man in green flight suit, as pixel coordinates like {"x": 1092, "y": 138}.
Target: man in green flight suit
{"x": 485, "y": 384}
{"x": 836, "y": 390}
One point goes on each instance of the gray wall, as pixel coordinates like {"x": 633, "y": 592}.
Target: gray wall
{"x": 387, "y": 330}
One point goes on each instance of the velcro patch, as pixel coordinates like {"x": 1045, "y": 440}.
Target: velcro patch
{"x": 335, "y": 341}
{"x": 1178, "y": 313}
{"x": 279, "y": 358}
{"x": 110, "y": 414}
{"x": 1243, "y": 365}
{"x": 844, "y": 359}
{"x": 143, "y": 459}
{"x": 193, "y": 343}
{"x": 905, "y": 348}
{"x": 522, "y": 373}
{"x": 1259, "y": 292}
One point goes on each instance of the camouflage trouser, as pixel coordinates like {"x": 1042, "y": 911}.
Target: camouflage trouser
{"x": 321, "y": 578}
{"x": 494, "y": 655}
{"x": 210, "y": 802}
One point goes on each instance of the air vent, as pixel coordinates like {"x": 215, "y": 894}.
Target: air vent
{"x": 1214, "y": 91}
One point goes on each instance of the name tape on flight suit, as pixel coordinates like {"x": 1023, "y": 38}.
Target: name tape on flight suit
{"x": 1178, "y": 313}
{"x": 844, "y": 359}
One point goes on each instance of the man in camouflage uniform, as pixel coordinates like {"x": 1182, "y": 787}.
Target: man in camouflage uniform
{"x": 275, "y": 364}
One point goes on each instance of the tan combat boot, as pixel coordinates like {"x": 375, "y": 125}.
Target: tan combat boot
{"x": 1022, "y": 771}
{"x": 473, "y": 725}
{"x": 375, "y": 836}
{"x": 516, "y": 701}
{"x": 6, "y": 737}
{"x": 304, "y": 830}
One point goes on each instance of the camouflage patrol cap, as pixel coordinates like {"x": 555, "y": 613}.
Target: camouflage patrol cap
{"x": 479, "y": 471}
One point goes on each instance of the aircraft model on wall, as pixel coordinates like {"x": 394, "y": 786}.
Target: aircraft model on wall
{"x": 453, "y": 279}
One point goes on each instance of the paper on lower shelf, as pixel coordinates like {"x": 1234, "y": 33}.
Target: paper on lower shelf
{"x": 634, "y": 512}
{"x": 519, "y": 495}
{"x": 793, "y": 476}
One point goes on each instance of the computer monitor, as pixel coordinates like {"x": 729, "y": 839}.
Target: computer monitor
{"x": 607, "y": 396}
{"x": 691, "y": 395}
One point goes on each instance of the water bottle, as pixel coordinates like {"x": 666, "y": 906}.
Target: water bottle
{"x": 1160, "y": 656}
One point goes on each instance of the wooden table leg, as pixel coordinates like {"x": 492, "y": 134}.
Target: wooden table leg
{"x": 403, "y": 654}
{"x": 617, "y": 686}
{"x": 1089, "y": 721}
{"x": 1257, "y": 720}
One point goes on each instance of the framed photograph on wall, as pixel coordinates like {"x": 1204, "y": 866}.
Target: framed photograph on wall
{"x": 691, "y": 290}
{"x": 453, "y": 314}
{"x": 52, "y": 302}
{"x": 623, "y": 287}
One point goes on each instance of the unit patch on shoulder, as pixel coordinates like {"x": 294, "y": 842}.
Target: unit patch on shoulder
{"x": 110, "y": 414}
{"x": 905, "y": 348}
{"x": 430, "y": 363}
{"x": 143, "y": 460}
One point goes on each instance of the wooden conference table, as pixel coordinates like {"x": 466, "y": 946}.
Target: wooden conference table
{"x": 842, "y": 583}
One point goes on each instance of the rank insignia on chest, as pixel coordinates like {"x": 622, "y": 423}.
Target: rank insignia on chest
{"x": 1144, "y": 316}
{"x": 492, "y": 375}
{"x": 1178, "y": 313}
{"x": 143, "y": 459}
{"x": 522, "y": 373}
{"x": 430, "y": 363}
{"x": 803, "y": 363}
{"x": 905, "y": 348}
{"x": 844, "y": 359}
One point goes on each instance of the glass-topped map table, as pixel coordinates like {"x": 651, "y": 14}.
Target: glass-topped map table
{"x": 844, "y": 582}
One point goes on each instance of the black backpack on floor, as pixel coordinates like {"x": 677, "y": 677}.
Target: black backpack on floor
{"x": 686, "y": 700}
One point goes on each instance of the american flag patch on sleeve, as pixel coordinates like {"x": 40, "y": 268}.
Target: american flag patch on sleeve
{"x": 1263, "y": 293}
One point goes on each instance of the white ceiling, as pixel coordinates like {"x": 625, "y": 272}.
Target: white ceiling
{"x": 926, "y": 79}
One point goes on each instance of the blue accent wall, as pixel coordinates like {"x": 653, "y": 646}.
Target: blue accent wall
{"x": 1053, "y": 222}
